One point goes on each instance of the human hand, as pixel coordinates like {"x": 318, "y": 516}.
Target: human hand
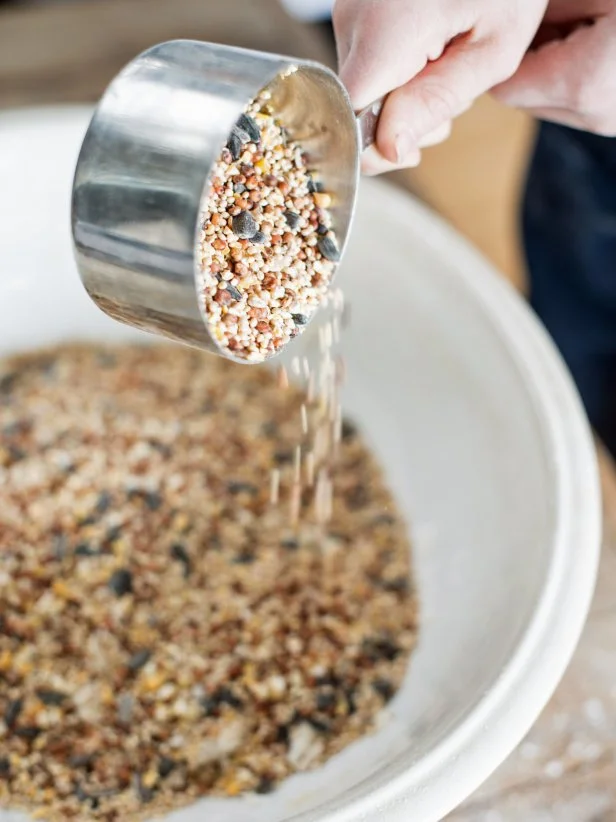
{"x": 431, "y": 58}
{"x": 570, "y": 74}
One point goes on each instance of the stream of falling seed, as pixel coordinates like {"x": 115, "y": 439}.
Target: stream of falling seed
{"x": 320, "y": 429}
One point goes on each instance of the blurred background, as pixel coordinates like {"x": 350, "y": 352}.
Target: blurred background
{"x": 66, "y": 51}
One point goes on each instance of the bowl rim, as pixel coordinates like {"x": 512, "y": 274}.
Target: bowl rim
{"x": 441, "y": 780}
{"x": 459, "y": 764}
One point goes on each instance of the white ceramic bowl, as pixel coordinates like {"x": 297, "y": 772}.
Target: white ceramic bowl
{"x": 485, "y": 444}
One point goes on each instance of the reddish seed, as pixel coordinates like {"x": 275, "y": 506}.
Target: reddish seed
{"x": 252, "y": 182}
{"x": 262, "y": 326}
{"x": 219, "y": 244}
{"x": 241, "y": 203}
{"x": 215, "y": 267}
{"x": 287, "y": 237}
{"x": 283, "y": 187}
{"x": 254, "y": 196}
{"x": 270, "y": 180}
{"x": 223, "y": 297}
{"x": 276, "y": 239}
{"x": 240, "y": 269}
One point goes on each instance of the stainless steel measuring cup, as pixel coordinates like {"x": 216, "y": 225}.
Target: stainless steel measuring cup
{"x": 142, "y": 175}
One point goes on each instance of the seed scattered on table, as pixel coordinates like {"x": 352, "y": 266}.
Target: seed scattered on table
{"x": 207, "y": 642}
{"x": 266, "y": 248}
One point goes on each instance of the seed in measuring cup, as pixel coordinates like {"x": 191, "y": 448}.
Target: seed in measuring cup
{"x": 266, "y": 249}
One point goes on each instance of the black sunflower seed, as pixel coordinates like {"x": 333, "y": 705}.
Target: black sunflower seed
{"x": 83, "y": 796}
{"x": 84, "y": 549}
{"x": 5, "y": 767}
{"x": 139, "y": 659}
{"x": 12, "y": 711}
{"x": 103, "y": 503}
{"x": 258, "y": 238}
{"x": 383, "y": 688}
{"x": 81, "y": 761}
{"x": 121, "y": 582}
{"x": 113, "y": 533}
{"x": 180, "y": 554}
{"x": 144, "y": 793}
{"x": 398, "y": 585}
{"x": 239, "y": 487}
{"x": 314, "y": 186}
{"x": 234, "y": 144}
{"x": 7, "y": 381}
{"x": 328, "y": 248}
{"x": 319, "y": 725}
{"x": 223, "y": 696}
{"x": 52, "y": 698}
{"x": 292, "y": 219}
{"x": 283, "y": 457}
{"x": 380, "y": 648}
{"x": 326, "y": 701}
{"x": 300, "y": 319}
{"x": 166, "y": 766}
{"x": 247, "y": 124}
{"x": 291, "y": 544}
{"x": 28, "y": 732}
{"x": 235, "y": 293}
{"x": 243, "y": 225}
{"x": 265, "y": 786}
{"x": 357, "y": 498}
{"x": 152, "y": 499}
{"x": 322, "y": 229}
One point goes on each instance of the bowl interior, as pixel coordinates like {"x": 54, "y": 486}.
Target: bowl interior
{"x": 439, "y": 394}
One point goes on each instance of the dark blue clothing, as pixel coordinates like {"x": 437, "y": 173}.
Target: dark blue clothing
{"x": 569, "y": 229}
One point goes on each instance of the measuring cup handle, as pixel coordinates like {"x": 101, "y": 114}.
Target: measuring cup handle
{"x": 367, "y": 122}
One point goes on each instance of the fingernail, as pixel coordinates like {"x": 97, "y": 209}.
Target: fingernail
{"x": 405, "y": 147}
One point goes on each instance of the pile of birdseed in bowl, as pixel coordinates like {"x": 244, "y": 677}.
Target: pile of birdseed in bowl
{"x": 266, "y": 248}
{"x": 205, "y": 585}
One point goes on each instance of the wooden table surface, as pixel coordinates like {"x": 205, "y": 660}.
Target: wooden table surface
{"x": 50, "y": 52}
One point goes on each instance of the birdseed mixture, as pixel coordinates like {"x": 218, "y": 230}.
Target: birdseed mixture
{"x": 168, "y": 629}
{"x": 267, "y": 251}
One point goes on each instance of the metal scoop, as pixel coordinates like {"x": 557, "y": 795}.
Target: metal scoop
{"x": 143, "y": 171}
